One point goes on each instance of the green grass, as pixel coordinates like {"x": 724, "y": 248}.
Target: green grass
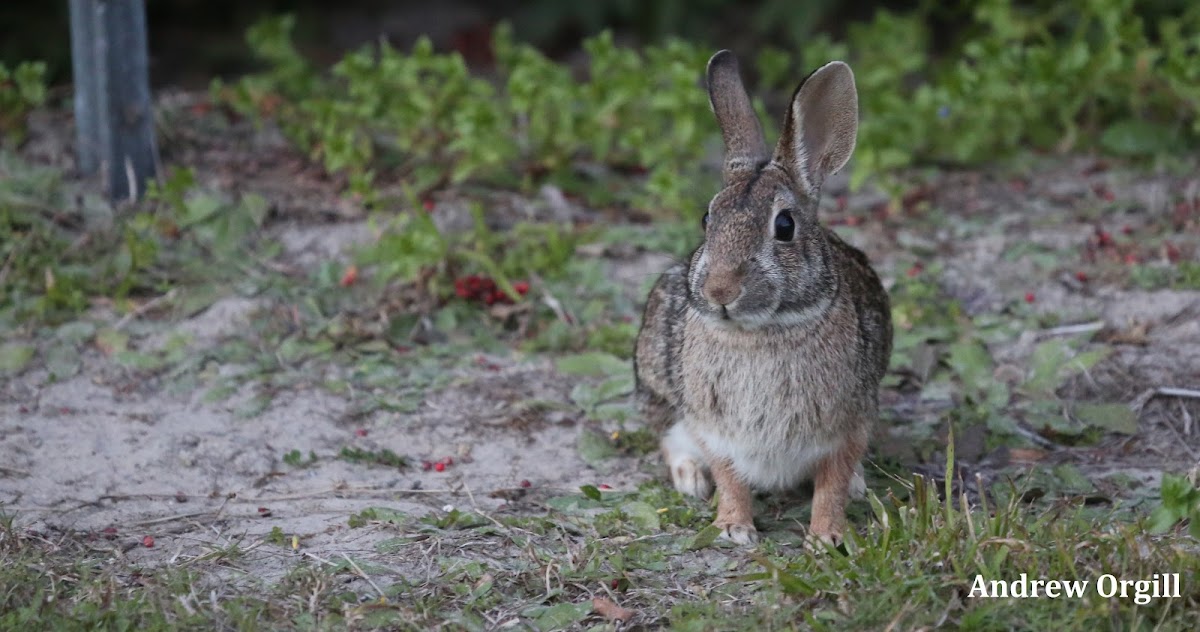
{"x": 910, "y": 563}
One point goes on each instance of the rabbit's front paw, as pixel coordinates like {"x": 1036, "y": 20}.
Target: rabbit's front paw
{"x": 819, "y": 543}
{"x": 738, "y": 532}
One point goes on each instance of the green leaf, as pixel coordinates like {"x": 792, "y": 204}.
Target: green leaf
{"x": 1044, "y": 363}
{"x": 1071, "y": 480}
{"x": 1137, "y": 137}
{"x": 1042, "y": 414}
{"x": 574, "y": 504}
{"x": 704, "y": 538}
{"x": 76, "y": 332}
{"x": 595, "y": 448}
{"x": 559, "y": 616}
{"x": 592, "y": 363}
{"x": 588, "y": 396}
{"x": 62, "y": 360}
{"x": 14, "y": 357}
{"x": 644, "y": 515}
{"x": 1111, "y": 417}
{"x": 591, "y": 492}
{"x": 111, "y": 341}
{"x": 139, "y": 361}
{"x": 1053, "y": 362}
{"x": 972, "y": 363}
{"x": 1162, "y": 519}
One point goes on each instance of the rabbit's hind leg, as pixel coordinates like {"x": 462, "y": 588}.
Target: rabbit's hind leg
{"x": 686, "y": 462}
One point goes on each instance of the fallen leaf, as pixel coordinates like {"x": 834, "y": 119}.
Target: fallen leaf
{"x": 1026, "y": 455}
{"x": 1112, "y": 417}
{"x": 608, "y": 609}
{"x": 14, "y": 357}
{"x": 1137, "y": 334}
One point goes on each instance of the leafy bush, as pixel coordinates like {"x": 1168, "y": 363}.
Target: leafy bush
{"x": 1084, "y": 74}
{"x": 21, "y": 89}
{"x": 1180, "y": 501}
{"x": 423, "y": 116}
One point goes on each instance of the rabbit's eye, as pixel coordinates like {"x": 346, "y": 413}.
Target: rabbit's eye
{"x": 704, "y": 221}
{"x": 785, "y": 226}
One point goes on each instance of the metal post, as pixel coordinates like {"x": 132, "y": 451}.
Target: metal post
{"x": 113, "y": 110}
{"x": 88, "y": 51}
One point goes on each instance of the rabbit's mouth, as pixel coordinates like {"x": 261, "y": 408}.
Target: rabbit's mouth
{"x": 739, "y": 316}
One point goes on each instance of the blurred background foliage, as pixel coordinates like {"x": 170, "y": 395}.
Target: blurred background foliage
{"x": 464, "y": 90}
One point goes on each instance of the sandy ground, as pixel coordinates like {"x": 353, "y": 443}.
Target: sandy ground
{"x": 115, "y": 457}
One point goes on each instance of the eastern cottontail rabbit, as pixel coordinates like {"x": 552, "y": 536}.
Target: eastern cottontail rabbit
{"x": 763, "y": 354}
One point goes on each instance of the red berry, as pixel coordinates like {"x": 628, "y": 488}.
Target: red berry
{"x": 426, "y": 465}
{"x": 490, "y": 298}
{"x": 1029, "y": 297}
{"x": 441, "y": 467}
{"x": 460, "y": 288}
{"x": 915, "y": 270}
{"x": 1171, "y": 251}
{"x": 1081, "y": 276}
{"x": 349, "y": 276}
{"x": 487, "y": 284}
{"x": 522, "y": 287}
{"x": 614, "y": 583}
{"x": 148, "y": 541}
{"x": 1104, "y": 238}
{"x": 604, "y": 486}
{"x": 361, "y": 432}
{"x": 427, "y": 204}
{"x": 526, "y": 483}
{"x": 1127, "y": 229}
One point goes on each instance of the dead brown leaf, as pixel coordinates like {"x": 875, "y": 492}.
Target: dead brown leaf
{"x": 608, "y": 609}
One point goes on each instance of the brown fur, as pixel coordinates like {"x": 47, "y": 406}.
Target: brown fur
{"x": 766, "y": 352}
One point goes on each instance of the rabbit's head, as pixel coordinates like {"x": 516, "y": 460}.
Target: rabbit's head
{"x": 765, "y": 260}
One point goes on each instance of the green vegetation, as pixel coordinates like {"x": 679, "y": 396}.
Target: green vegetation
{"x": 1180, "y": 500}
{"x": 1058, "y": 76}
{"x": 63, "y": 249}
{"x": 1092, "y": 75}
{"x": 423, "y": 117}
{"x": 22, "y": 89}
{"x": 913, "y": 565}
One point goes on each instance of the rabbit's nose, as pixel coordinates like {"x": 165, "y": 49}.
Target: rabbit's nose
{"x": 722, "y": 287}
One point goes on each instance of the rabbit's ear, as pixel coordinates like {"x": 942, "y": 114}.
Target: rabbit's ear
{"x": 745, "y": 148}
{"x": 818, "y": 134}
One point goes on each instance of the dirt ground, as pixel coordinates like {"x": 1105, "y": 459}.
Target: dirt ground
{"x": 115, "y": 456}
